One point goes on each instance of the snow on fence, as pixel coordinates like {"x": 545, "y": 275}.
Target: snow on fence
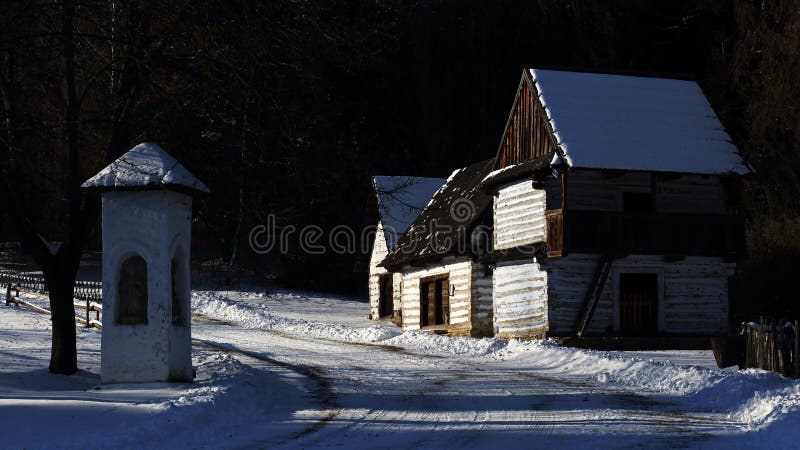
{"x": 773, "y": 346}
{"x": 91, "y": 292}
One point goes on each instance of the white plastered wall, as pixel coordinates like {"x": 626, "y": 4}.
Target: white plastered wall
{"x": 152, "y": 224}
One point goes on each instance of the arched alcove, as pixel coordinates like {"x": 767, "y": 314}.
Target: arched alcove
{"x": 132, "y": 291}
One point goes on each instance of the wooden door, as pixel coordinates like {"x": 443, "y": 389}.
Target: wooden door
{"x": 443, "y": 297}
{"x": 433, "y": 302}
{"x": 434, "y": 305}
{"x": 638, "y": 303}
{"x": 385, "y": 300}
{"x": 423, "y": 303}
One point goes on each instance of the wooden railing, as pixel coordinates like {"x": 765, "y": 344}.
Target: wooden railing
{"x": 773, "y": 346}
{"x": 667, "y": 234}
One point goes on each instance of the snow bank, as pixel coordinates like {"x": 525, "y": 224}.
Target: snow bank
{"x": 216, "y": 306}
{"x": 444, "y": 345}
{"x": 755, "y": 397}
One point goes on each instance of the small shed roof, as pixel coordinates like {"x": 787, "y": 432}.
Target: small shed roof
{"x": 145, "y": 165}
{"x": 637, "y": 123}
{"x": 400, "y": 200}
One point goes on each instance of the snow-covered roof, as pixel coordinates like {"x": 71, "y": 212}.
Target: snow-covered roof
{"x": 400, "y": 200}
{"x": 636, "y": 123}
{"x": 145, "y": 165}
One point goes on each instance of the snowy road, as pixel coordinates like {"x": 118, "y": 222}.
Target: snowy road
{"x": 291, "y": 370}
{"x": 387, "y": 396}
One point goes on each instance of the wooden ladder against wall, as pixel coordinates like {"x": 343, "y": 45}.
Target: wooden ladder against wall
{"x": 593, "y": 294}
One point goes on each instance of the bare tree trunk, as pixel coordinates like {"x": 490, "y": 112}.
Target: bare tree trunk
{"x": 61, "y": 276}
{"x": 241, "y": 184}
{"x": 6, "y": 78}
{"x": 63, "y": 353}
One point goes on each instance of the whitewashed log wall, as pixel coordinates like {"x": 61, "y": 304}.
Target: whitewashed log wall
{"x": 693, "y": 297}
{"x": 520, "y": 299}
{"x": 460, "y": 273}
{"x": 379, "y": 251}
{"x": 519, "y": 215}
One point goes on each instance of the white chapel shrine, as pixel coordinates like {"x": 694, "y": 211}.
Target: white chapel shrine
{"x": 147, "y": 212}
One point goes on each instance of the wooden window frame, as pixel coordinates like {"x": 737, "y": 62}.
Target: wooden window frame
{"x": 423, "y": 281}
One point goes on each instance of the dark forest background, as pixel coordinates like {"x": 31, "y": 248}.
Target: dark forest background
{"x": 288, "y": 107}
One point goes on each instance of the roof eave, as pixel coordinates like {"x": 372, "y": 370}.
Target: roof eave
{"x": 188, "y": 190}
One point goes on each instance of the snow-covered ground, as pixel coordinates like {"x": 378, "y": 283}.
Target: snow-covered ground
{"x": 288, "y": 369}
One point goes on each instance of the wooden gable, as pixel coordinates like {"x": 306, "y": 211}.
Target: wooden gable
{"x": 527, "y": 134}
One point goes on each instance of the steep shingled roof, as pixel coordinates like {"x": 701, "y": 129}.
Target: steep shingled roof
{"x": 452, "y": 212}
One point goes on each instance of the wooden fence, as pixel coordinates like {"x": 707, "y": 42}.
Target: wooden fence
{"x": 773, "y": 346}
{"x": 89, "y": 292}
{"x": 84, "y": 290}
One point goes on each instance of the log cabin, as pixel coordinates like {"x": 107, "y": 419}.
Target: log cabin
{"x": 445, "y": 285}
{"x": 612, "y": 208}
{"x": 396, "y": 202}
{"x": 635, "y": 227}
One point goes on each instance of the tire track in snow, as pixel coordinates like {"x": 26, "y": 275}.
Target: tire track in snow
{"x": 323, "y": 392}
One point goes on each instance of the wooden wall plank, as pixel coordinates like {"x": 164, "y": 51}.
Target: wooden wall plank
{"x": 527, "y": 134}
{"x": 593, "y": 190}
{"x": 694, "y": 296}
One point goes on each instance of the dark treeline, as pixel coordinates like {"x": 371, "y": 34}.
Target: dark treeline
{"x": 287, "y": 107}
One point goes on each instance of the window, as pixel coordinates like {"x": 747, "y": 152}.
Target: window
{"x": 132, "y": 291}
{"x": 637, "y": 202}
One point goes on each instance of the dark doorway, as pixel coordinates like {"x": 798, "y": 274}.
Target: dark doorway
{"x": 638, "y": 303}
{"x": 385, "y": 298}
{"x": 434, "y": 301}
{"x": 637, "y": 202}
